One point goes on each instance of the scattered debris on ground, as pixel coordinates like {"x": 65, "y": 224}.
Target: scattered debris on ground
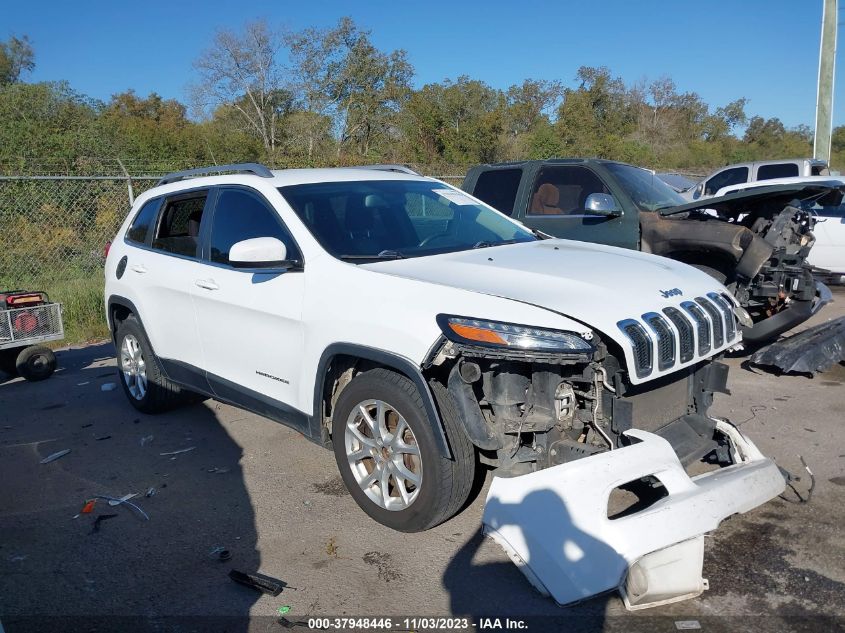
{"x": 812, "y": 351}
{"x": 119, "y": 501}
{"x": 219, "y": 553}
{"x": 55, "y": 456}
{"x": 123, "y": 499}
{"x": 179, "y": 452}
{"x": 260, "y": 582}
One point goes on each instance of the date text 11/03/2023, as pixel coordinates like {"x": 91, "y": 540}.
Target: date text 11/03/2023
{"x": 416, "y": 623}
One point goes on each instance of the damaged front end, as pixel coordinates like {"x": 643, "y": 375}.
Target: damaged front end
{"x": 756, "y": 242}
{"x": 566, "y": 429}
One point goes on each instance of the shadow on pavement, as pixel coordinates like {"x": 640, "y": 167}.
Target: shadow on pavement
{"x": 60, "y": 572}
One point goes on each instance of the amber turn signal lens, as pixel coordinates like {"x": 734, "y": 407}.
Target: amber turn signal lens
{"x": 477, "y": 334}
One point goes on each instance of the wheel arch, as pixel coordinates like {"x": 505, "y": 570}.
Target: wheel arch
{"x": 338, "y": 358}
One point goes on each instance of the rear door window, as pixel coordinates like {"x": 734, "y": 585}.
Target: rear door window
{"x": 780, "y": 170}
{"x": 498, "y": 187}
{"x": 179, "y": 224}
{"x": 726, "y": 178}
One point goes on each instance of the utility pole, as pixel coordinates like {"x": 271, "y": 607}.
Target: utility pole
{"x": 827, "y": 63}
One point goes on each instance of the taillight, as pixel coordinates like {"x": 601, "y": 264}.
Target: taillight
{"x": 106, "y": 249}
{"x": 27, "y": 299}
{"x": 25, "y": 323}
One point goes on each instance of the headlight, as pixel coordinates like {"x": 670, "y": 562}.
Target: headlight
{"x": 743, "y": 316}
{"x": 496, "y": 334}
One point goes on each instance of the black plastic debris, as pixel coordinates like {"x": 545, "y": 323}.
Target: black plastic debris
{"x": 100, "y": 518}
{"x": 814, "y": 350}
{"x": 260, "y": 582}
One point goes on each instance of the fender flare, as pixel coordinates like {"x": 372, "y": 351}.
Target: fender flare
{"x": 117, "y": 300}
{"x": 387, "y": 359}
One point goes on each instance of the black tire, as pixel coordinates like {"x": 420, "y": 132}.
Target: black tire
{"x": 36, "y": 363}
{"x": 9, "y": 360}
{"x": 161, "y": 394}
{"x": 445, "y": 483}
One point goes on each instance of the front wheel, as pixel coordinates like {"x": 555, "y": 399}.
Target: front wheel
{"x": 388, "y": 457}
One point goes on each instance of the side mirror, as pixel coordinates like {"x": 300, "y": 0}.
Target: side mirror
{"x": 259, "y": 252}
{"x": 699, "y": 189}
{"x": 602, "y": 204}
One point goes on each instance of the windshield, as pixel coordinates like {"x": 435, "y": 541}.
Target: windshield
{"x": 647, "y": 191}
{"x": 391, "y": 219}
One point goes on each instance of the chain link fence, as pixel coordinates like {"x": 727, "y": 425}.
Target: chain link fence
{"x": 55, "y": 227}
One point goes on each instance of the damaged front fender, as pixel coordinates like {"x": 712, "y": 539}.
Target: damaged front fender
{"x": 554, "y": 523}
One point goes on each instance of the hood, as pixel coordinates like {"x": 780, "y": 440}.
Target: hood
{"x": 594, "y": 284}
{"x": 738, "y": 201}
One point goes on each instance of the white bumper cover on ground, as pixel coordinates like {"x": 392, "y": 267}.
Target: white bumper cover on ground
{"x": 553, "y": 523}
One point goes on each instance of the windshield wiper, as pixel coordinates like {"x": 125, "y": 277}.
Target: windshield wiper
{"x": 385, "y": 254}
{"x": 488, "y": 244}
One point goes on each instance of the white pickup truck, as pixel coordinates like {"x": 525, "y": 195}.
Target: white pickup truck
{"x": 418, "y": 333}
{"x": 743, "y": 173}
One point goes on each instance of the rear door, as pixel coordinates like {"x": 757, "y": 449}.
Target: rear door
{"x": 162, "y": 272}
{"x": 249, "y": 320}
{"x": 557, "y": 206}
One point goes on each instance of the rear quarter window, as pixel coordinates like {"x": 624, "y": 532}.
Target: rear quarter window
{"x": 780, "y": 170}
{"x": 498, "y": 188}
{"x": 144, "y": 220}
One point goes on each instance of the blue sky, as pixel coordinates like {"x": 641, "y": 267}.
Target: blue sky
{"x": 765, "y": 50}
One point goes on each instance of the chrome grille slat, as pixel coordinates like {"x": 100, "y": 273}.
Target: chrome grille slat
{"x": 642, "y": 344}
{"x": 665, "y": 339}
{"x": 716, "y": 318}
{"x": 727, "y": 310}
{"x": 685, "y": 331}
{"x": 702, "y": 326}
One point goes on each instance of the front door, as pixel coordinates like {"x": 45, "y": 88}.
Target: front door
{"x": 557, "y": 206}
{"x": 250, "y": 320}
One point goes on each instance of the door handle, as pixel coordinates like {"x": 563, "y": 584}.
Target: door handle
{"x": 208, "y": 284}
{"x": 139, "y": 268}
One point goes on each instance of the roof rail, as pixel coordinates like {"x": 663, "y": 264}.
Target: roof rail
{"x": 401, "y": 169}
{"x": 256, "y": 169}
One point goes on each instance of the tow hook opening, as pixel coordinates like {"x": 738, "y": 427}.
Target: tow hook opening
{"x": 635, "y": 496}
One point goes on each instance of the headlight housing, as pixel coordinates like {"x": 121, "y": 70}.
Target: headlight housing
{"x": 511, "y": 336}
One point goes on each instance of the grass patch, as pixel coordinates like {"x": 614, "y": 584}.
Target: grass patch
{"x": 82, "y": 307}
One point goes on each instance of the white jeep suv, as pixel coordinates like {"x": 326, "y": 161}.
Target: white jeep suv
{"x": 417, "y": 331}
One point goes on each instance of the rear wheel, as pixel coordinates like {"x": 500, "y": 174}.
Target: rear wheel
{"x": 141, "y": 376}
{"x": 36, "y": 363}
{"x": 388, "y": 457}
